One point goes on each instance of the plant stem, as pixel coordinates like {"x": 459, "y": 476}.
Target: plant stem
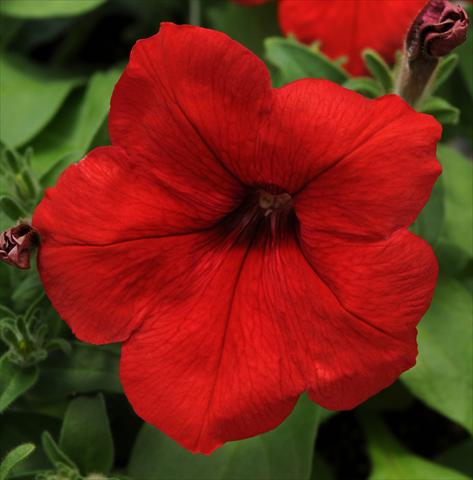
{"x": 194, "y": 12}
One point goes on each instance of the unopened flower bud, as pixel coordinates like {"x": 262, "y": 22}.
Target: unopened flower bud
{"x": 439, "y": 28}
{"x": 17, "y": 244}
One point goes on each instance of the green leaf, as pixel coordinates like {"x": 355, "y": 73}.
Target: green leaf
{"x": 466, "y": 58}
{"x": 429, "y": 223}
{"x": 11, "y": 208}
{"x": 366, "y": 86}
{"x": 54, "y": 452}
{"x": 444, "y": 70}
{"x": 443, "y": 375}
{"x": 321, "y": 471}
{"x": 379, "y": 69}
{"x": 459, "y": 457}
{"x": 47, "y": 8}
{"x": 295, "y": 60}
{"x": 9, "y": 27}
{"x": 249, "y": 26}
{"x": 394, "y": 398}
{"x": 26, "y": 290}
{"x": 452, "y": 259}
{"x": 30, "y": 96}
{"x": 444, "y": 112}
{"x": 73, "y": 130}
{"x": 86, "y": 436}
{"x": 22, "y": 426}
{"x": 49, "y": 178}
{"x": 14, "y": 381}
{"x": 391, "y": 461}
{"x": 88, "y": 369}
{"x": 457, "y": 178}
{"x": 284, "y": 453}
{"x": 14, "y": 457}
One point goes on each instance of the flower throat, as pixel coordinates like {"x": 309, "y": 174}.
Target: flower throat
{"x": 265, "y": 212}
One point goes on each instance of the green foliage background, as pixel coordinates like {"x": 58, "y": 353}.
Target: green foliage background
{"x": 62, "y": 411}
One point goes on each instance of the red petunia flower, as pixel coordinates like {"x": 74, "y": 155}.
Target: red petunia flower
{"x": 246, "y": 243}
{"x": 347, "y": 27}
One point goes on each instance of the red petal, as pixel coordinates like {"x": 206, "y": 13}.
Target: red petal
{"x": 216, "y": 365}
{"x": 229, "y": 361}
{"x": 312, "y": 124}
{"x": 346, "y": 28}
{"x": 374, "y": 181}
{"x": 331, "y": 126}
{"x": 384, "y": 288}
{"x": 103, "y": 230}
{"x": 191, "y": 99}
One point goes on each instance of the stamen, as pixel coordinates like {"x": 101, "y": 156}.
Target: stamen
{"x": 274, "y": 202}
{"x": 265, "y": 214}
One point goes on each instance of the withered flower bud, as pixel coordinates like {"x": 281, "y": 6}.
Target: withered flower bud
{"x": 17, "y": 244}
{"x": 439, "y": 28}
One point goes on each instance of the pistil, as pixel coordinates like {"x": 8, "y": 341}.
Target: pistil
{"x": 271, "y": 203}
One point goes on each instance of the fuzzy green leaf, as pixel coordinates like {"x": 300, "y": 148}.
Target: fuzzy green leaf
{"x": 55, "y": 453}
{"x": 466, "y": 56}
{"x": 87, "y": 369}
{"x": 14, "y": 381}
{"x": 20, "y": 426}
{"x": 459, "y": 457}
{"x": 86, "y": 436}
{"x": 379, "y": 69}
{"x": 444, "y": 112}
{"x": 366, "y": 86}
{"x": 14, "y": 457}
{"x": 445, "y": 70}
{"x": 443, "y": 375}
{"x": 429, "y": 223}
{"x": 11, "y": 208}
{"x": 26, "y": 290}
{"x": 391, "y": 461}
{"x": 49, "y": 178}
{"x": 47, "y": 8}
{"x": 249, "y": 26}
{"x": 457, "y": 178}
{"x": 284, "y": 453}
{"x": 71, "y": 133}
{"x": 30, "y": 96}
{"x": 295, "y": 60}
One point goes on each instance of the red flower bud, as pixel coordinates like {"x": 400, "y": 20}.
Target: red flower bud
{"x": 438, "y": 29}
{"x": 17, "y": 244}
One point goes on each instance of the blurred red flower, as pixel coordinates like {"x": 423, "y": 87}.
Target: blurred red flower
{"x": 246, "y": 243}
{"x": 347, "y": 27}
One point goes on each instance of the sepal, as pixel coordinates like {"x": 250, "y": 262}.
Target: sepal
{"x": 379, "y": 69}
{"x": 368, "y": 87}
{"x": 445, "y": 69}
{"x": 55, "y": 455}
{"x": 444, "y": 112}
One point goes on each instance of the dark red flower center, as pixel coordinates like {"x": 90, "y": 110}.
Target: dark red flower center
{"x": 265, "y": 212}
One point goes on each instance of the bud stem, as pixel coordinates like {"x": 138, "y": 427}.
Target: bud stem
{"x": 438, "y": 28}
{"x": 415, "y": 78}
